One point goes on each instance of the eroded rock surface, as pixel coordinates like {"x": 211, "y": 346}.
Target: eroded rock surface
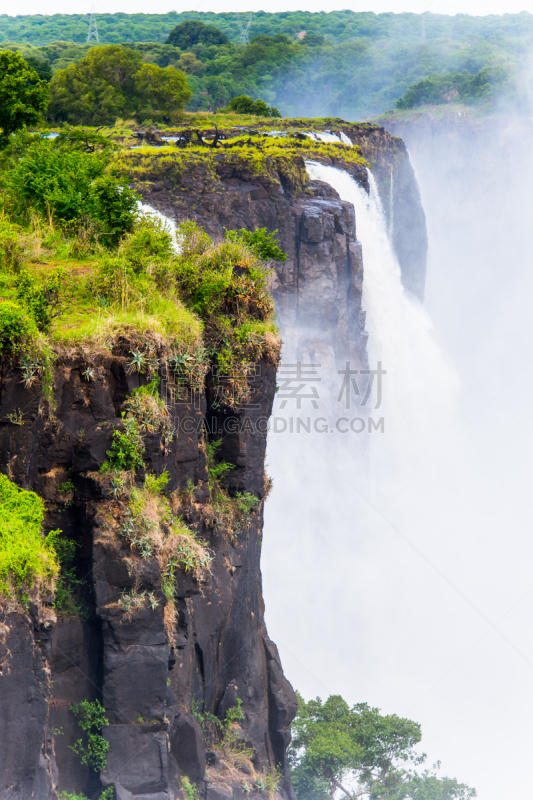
{"x": 149, "y": 678}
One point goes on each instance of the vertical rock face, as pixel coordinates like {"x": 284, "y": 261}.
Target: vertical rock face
{"x": 318, "y": 289}
{"x": 150, "y": 678}
{"x": 322, "y": 279}
{"x": 157, "y": 679}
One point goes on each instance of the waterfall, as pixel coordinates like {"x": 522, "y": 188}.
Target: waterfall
{"x": 168, "y": 222}
{"x": 419, "y": 388}
{"x": 391, "y": 205}
{"x": 338, "y": 558}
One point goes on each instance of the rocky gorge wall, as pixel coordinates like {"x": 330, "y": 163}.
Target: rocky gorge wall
{"x": 320, "y": 284}
{"x": 156, "y": 683}
{"x": 148, "y": 679}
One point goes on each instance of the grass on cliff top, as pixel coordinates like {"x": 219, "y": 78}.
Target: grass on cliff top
{"x": 83, "y": 316}
{"x": 278, "y": 159}
{"x": 28, "y": 562}
{"x": 208, "y": 304}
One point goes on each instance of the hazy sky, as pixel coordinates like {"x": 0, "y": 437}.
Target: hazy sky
{"x": 162, "y": 6}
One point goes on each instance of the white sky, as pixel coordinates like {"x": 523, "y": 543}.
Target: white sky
{"x": 479, "y": 7}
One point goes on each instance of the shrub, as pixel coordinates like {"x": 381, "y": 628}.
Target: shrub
{"x": 52, "y": 180}
{"x": 243, "y": 104}
{"x": 262, "y": 243}
{"x": 150, "y": 411}
{"x": 92, "y": 750}
{"x": 231, "y": 513}
{"x": 150, "y": 242}
{"x": 11, "y": 245}
{"x": 126, "y": 450}
{"x": 16, "y": 326}
{"x": 66, "y": 179}
{"x": 28, "y": 561}
{"x": 107, "y": 794}
{"x": 227, "y": 286}
{"x": 152, "y": 530}
{"x": 114, "y": 206}
{"x": 42, "y": 298}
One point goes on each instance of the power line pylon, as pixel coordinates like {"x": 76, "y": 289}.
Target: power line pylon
{"x": 93, "y": 30}
{"x": 245, "y": 27}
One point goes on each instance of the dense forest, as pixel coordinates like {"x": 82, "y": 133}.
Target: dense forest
{"x": 341, "y": 63}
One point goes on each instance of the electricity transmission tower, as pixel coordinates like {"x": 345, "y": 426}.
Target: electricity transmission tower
{"x": 245, "y": 27}
{"x": 93, "y": 30}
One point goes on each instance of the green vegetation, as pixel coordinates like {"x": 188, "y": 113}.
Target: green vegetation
{"x": 191, "y": 33}
{"x": 23, "y": 96}
{"x": 191, "y": 790}
{"x": 127, "y": 448}
{"x": 28, "y": 560}
{"x": 361, "y": 753}
{"x": 247, "y": 105}
{"x": 455, "y": 87}
{"x": 67, "y": 600}
{"x": 152, "y": 529}
{"x": 112, "y": 81}
{"x": 92, "y": 749}
{"x": 232, "y": 513}
{"x": 107, "y": 794}
{"x": 262, "y": 243}
{"x": 350, "y": 64}
{"x": 226, "y": 737}
{"x": 66, "y": 180}
{"x": 279, "y": 160}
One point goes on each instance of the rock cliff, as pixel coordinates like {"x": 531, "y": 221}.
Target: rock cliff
{"x": 164, "y": 680}
{"x": 150, "y": 680}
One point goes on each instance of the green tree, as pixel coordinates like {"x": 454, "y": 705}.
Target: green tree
{"x": 246, "y": 105}
{"x": 23, "y": 96}
{"x": 41, "y": 66}
{"x": 67, "y": 178}
{"x": 96, "y": 90}
{"x": 161, "y": 93}
{"x": 361, "y": 753}
{"x": 190, "y": 33}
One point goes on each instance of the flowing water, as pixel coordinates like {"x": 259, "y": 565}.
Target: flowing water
{"x": 355, "y": 593}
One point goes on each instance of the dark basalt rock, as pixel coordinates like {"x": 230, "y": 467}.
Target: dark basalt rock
{"x": 146, "y": 680}
{"x": 244, "y": 200}
{"x": 219, "y": 651}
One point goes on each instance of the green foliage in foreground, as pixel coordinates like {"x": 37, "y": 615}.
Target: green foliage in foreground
{"x": 28, "y": 559}
{"x": 92, "y": 749}
{"x": 262, "y": 243}
{"x": 67, "y": 179}
{"x": 23, "y": 96}
{"x": 361, "y": 753}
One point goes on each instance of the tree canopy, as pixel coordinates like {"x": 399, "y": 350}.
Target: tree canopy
{"x": 23, "y": 96}
{"x": 112, "y": 81}
{"x": 247, "y": 105}
{"x": 361, "y": 753}
{"x": 349, "y": 64}
{"x": 190, "y": 33}
{"x": 455, "y": 86}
